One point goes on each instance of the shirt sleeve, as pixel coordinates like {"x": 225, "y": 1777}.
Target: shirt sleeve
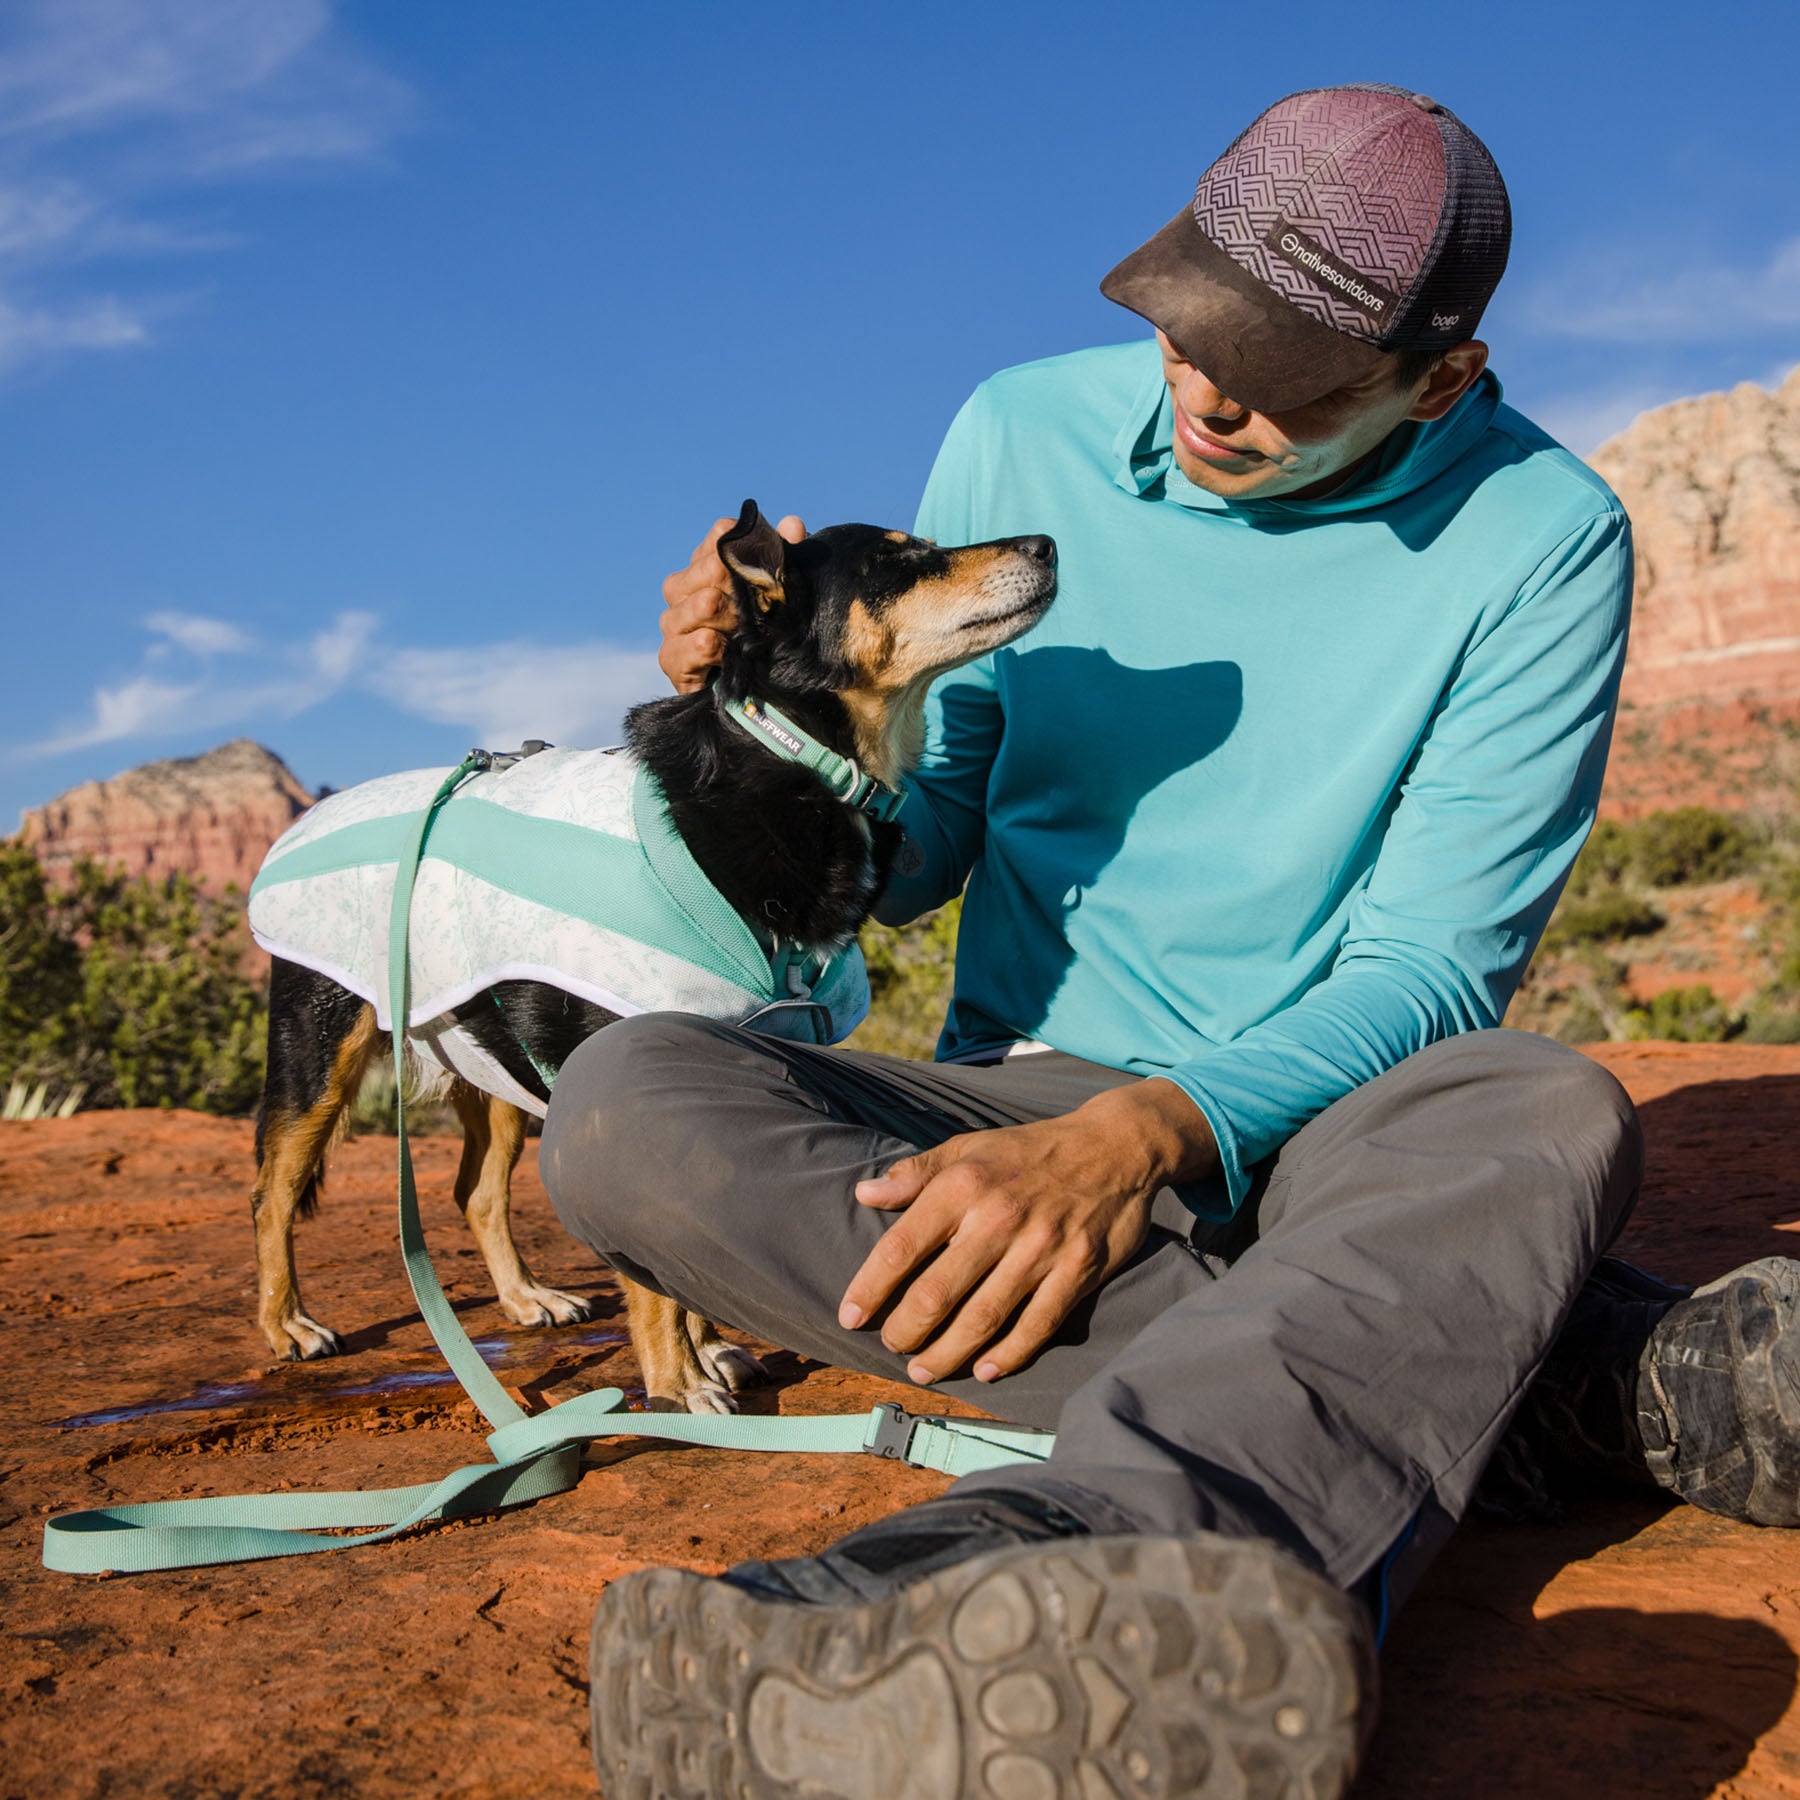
{"x": 1494, "y": 807}
{"x": 945, "y": 814}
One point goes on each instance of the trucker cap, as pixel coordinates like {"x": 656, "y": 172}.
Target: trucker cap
{"x": 1345, "y": 223}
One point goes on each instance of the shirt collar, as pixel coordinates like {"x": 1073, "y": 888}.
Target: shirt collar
{"x": 1145, "y": 446}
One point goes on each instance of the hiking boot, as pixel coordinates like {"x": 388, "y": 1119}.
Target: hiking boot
{"x": 1695, "y": 1392}
{"x": 1576, "y": 1430}
{"x": 984, "y": 1648}
{"x": 1718, "y": 1395}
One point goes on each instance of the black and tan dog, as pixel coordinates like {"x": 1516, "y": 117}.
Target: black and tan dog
{"x": 843, "y": 633}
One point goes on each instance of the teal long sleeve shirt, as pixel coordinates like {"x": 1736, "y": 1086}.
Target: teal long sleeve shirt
{"x": 1278, "y": 792}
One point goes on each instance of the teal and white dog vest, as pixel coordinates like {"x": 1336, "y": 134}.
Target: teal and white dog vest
{"x": 563, "y": 867}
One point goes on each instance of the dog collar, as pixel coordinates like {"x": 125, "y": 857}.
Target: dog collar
{"x": 842, "y": 774}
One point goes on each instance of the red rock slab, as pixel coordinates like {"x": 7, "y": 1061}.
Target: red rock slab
{"x": 212, "y": 816}
{"x": 1635, "y": 1650}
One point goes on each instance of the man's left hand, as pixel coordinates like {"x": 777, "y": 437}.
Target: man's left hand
{"x": 1025, "y": 1216}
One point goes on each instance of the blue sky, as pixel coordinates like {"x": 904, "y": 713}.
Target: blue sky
{"x": 364, "y": 367}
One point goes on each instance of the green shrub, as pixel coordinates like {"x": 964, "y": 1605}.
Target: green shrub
{"x": 130, "y": 988}
{"x": 1663, "y": 849}
{"x": 1599, "y": 917}
{"x": 1604, "y": 858}
{"x": 373, "y": 1112}
{"x": 1781, "y": 890}
{"x": 1688, "y": 1015}
{"x": 1582, "y": 1023}
{"x": 1691, "y": 843}
{"x": 40, "y": 968}
{"x": 1771, "y": 1024}
{"x": 911, "y": 969}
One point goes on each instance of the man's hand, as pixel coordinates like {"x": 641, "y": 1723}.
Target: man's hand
{"x": 700, "y": 607}
{"x": 1035, "y": 1215}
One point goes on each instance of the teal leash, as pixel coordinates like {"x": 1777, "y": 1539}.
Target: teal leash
{"x": 497, "y": 1406}
{"x": 535, "y": 1455}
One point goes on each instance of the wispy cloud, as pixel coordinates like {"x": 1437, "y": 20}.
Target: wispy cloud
{"x": 1624, "y": 297}
{"x": 229, "y": 678}
{"x": 205, "y": 673}
{"x": 201, "y": 636}
{"x": 31, "y": 331}
{"x": 114, "y": 112}
{"x": 141, "y": 707}
{"x": 567, "y": 693}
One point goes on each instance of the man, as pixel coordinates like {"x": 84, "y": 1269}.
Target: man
{"x": 1219, "y": 1171}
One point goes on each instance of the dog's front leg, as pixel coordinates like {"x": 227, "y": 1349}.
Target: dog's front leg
{"x": 493, "y": 1136}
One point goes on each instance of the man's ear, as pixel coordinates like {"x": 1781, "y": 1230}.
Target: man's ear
{"x": 755, "y": 552}
{"x": 1451, "y": 379}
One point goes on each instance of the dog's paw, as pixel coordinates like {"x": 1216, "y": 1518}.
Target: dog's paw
{"x": 731, "y": 1366}
{"x": 309, "y": 1340}
{"x": 545, "y": 1306}
{"x": 709, "y": 1397}
{"x": 697, "y": 1397}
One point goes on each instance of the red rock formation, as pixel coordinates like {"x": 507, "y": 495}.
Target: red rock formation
{"x": 212, "y": 817}
{"x": 1713, "y": 488}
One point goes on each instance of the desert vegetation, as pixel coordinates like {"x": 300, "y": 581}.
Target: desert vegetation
{"x": 1683, "y": 923}
{"x": 125, "y": 992}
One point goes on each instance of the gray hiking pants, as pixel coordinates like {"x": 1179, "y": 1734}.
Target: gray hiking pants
{"x": 1330, "y": 1369}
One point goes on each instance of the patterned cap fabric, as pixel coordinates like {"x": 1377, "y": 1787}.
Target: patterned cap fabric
{"x": 1368, "y": 211}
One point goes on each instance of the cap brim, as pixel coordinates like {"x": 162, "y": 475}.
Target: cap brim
{"x": 1255, "y": 347}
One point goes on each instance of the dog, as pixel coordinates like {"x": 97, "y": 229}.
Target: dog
{"x": 841, "y": 635}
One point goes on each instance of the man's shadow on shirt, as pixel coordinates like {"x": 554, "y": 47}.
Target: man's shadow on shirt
{"x": 1122, "y": 733}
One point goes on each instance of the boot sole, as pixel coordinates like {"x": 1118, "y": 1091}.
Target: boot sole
{"x": 1091, "y": 1669}
{"x": 1719, "y": 1395}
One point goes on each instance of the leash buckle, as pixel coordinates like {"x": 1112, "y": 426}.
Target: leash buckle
{"x": 891, "y": 1429}
{"x": 867, "y": 795}
{"x": 851, "y": 785}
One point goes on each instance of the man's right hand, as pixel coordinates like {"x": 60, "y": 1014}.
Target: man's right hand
{"x": 700, "y": 607}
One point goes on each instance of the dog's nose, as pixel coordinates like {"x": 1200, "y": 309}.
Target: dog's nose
{"x": 1042, "y": 548}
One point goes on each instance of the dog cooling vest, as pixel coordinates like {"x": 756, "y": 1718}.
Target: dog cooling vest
{"x": 563, "y": 867}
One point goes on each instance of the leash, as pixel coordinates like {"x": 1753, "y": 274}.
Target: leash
{"x": 534, "y": 1455}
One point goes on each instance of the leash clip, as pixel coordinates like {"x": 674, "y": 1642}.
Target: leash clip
{"x": 481, "y": 761}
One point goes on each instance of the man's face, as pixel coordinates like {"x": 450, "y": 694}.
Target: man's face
{"x": 1228, "y": 450}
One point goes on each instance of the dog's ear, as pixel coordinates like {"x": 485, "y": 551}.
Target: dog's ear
{"x": 755, "y": 552}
